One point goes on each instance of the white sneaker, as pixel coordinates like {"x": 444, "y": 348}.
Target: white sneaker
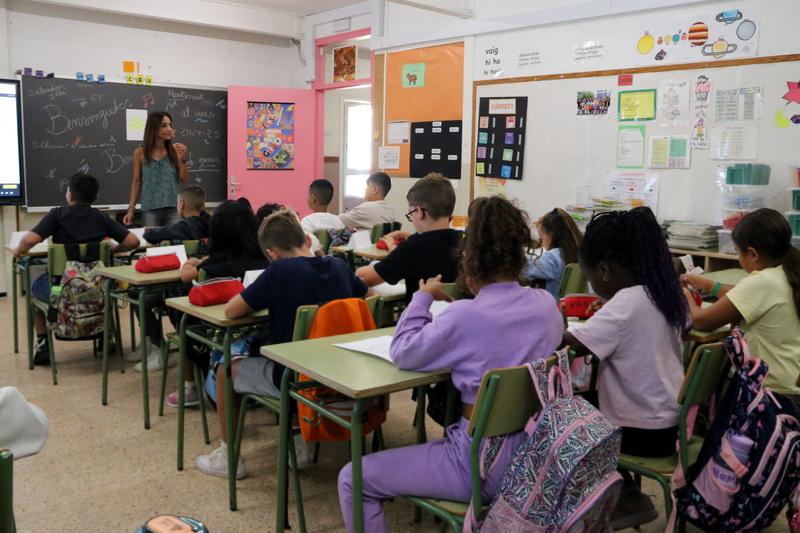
{"x": 302, "y": 450}
{"x": 154, "y": 360}
{"x": 216, "y": 464}
{"x": 135, "y": 356}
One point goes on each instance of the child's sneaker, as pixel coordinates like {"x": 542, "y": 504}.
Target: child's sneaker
{"x": 135, "y": 356}
{"x": 190, "y": 398}
{"x": 302, "y": 451}
{"x": 41, "y": 355}
{"x": 154, "y": 359}
{"x": 216, "y": 464}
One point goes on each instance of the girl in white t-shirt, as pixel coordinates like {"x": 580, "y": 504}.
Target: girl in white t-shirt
{"x": 638, "y": 336}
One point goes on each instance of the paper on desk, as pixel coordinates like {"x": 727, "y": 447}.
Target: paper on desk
{"x": 360, "y": 239}
{"x": 179, "y": 250}
{"x": 437, "y": 307}
{"x": 377, "y": 346}
{"x": 16, "y": 238}
{"x": 384, "y": 289}
{"x": 250, "y": 276}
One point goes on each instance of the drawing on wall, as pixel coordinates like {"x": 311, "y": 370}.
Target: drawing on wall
{"x": 699, "y": 138}
{"x": 592, "y": 102}
{"x": 413, "y": 75}
{"x": 793, "y": 95}
{"x": 719, "y": 48}
{"x": 270, "y": 136}
{"x": 344, "y": 63}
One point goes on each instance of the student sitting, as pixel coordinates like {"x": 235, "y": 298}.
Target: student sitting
{"x": 505, "y": 325}
{"x": 269, "y": 208}
{"x": 374, "y": 209}
{"x": 638, "y": 337}
{"x": 432, "y": 251}
{"x": 232, "y": 250}
{"x": 75, "y": 223}
{"x": 767, "y": 301}
{"x": 194, "y": 219}
{"x": 296, "y": 277}
{"x": 320, "y": 194}
{"x": 560, "y": 240}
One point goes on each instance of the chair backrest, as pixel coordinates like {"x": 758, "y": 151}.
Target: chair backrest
{"x": 303, "y": 319}
{"x": 324, "y": 239}
{"x": 375, "y": 304}
{"x": 57, "y": 256}
{"x": 572, "y": 281}
{"x": 7, "y": 491}
{"x": 379, "y": 230}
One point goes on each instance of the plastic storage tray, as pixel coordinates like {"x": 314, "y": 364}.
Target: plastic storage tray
{"x": 726, "y": 245}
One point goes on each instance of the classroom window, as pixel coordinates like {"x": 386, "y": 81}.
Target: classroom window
{"x": 357, "y": 149}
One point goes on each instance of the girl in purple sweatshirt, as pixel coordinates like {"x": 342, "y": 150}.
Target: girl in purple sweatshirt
{"x": 505, "y": 325}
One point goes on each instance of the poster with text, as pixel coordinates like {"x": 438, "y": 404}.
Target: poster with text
{"x": 501, "y": 137}
{"x": 270, "y": 136}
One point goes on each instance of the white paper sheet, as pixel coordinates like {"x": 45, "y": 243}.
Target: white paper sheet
{"x": 179, "y": 249}
{"x": 16, "y": 237}
{"x": 377, "y": 346}
{"x": 398, "y": 132}
{"x": 734, "y": 141}
{"x": 389, "y": 157}
{"x": 250, "y": 276}
{"x": 360, "y": 239}
{"x": 135, "y": 120}
{"x": 384, "y": 289}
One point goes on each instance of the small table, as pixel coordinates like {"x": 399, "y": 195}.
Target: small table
{"x": 213, "y": 315}
{"x": 22, "y": 265}
{"x": 156, "y": 281}
{"x": 356, "y": 375}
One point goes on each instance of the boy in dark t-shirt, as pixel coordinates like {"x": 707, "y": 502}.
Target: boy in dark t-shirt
{"x": 296, "y": 277}
{"x": 433, "y": 250}
{"x": 75, "y": 223}
{"x": 194, "y": 219}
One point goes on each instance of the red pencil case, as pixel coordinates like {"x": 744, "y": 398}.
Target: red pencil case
{"x": 215, "y": 291}
{"x": 578, "y": 305}
{"x": 381, "y": 244}
{"x": 158, "y": 263}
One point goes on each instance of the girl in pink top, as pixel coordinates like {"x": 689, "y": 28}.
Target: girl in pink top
{"x": 505, "y": 325}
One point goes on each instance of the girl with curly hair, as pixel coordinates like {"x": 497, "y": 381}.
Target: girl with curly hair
{"x": 505, "y": 325}
{"x": 638, "y": 338}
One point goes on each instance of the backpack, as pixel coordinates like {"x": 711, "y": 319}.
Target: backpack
{"x": 771, "y": 472}
{"x": 563, "y": 476}
{"x": 78, "y": 302}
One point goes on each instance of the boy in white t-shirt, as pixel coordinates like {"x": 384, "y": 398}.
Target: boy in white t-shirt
{"x": 320, "y": 195}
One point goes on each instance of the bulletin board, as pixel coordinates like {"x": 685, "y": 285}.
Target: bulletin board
{"x": 568, "y": 154}
{"x": 422, "y": 85}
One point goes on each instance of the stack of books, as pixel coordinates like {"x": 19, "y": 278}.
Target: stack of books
{"x": 692, "y": 235}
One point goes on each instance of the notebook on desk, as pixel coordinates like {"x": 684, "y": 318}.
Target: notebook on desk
{"x": 377, "y": 346}
{"x": 178, "y": 249}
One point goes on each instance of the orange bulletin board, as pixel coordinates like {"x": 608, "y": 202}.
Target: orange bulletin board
{"x": 439, "y": 98}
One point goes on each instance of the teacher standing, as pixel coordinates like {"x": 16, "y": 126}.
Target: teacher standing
{"x": 159, "y": 171}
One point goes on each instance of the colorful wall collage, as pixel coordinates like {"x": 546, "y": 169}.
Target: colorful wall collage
{"x": 501, "y": 137}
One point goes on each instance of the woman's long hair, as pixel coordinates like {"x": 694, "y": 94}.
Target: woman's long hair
{"x": 564, "y": 234}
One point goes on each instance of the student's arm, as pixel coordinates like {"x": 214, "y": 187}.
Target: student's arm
{"x": 394, "y": 266}
{"x": 705, "y": 285}
{"x": 183, "y": 170}
{"x": 419, "y": 342}
{"x": 126, "y": 240}
{"x": 548, "y": 266}
{"x": 237, "y": 308}
{"x": 600, "y": 334}
{"x": 574, "y": 344}
{"x": 177, "y": 231}
{"x": 45, "y": 228}
{"x": 714, "y": 316}
{"x": 136, "y": 185}
{"x": 130, "y": 242}
{"x": 368, "y": 275}
{"x": 189, "y": 270}
{"x": 353, "y": 218}
{"x": 28, "y": 241}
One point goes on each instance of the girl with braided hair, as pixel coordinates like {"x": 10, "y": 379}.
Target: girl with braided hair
{"x": 638, "y": 336}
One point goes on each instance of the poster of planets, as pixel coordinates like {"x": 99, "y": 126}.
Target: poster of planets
{"x": 727, "y": 34}
{"x": 270, "y": 136}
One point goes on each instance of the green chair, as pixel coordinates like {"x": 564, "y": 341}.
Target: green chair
{"x": 379, "y": 230}
{"x": 324, "y": 239}
{"x": 453, "y": 291}
{"x": 506, "y": 401}
{"x": 56, "y": 262}
{"x": 572, "y": 281}
{"x": 707, "y": 370}
{"x": 7, "y": 522}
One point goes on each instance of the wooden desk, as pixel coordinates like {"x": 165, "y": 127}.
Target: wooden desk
{"x": 356, "y": 375}
{"x": 145, "y": 283}
{"x": 370, "y": 252}
{"x": 712, "y": 259}
{"x": 213, "y": 315}
{"x": 21, "y": 267}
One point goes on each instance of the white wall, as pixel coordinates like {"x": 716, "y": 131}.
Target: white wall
{"x": 65, "y": 40}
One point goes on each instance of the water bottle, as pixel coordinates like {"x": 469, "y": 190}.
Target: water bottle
{"x": 741, "y": 446}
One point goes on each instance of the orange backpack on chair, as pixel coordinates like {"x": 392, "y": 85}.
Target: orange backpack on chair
{"x": 349, "y": 315}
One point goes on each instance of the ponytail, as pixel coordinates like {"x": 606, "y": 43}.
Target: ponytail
{"x": 564, "y": 233}
{"x": 791, "y": 266}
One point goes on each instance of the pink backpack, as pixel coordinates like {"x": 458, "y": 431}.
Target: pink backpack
{"x": 563, "y": 476}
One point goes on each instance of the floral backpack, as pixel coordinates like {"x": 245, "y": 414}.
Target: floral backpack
{"x": 563, "y": 476}
{"x": 78, "y": 302}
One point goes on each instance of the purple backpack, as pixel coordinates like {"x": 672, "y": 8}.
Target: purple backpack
{"x": 563, "y": 476}
{"x": 765, "y": 481}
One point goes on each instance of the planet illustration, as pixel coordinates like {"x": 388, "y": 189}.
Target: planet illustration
{"x": 746, "y": 30}
{"x": 698, "y": 34}
{"x": 676, "y": 38}
{"x": 646, "y": 43}
{"x": 661, "y": 54}
{"x": 730, "y": 16}
{"x": 660, "y": 40}
{"x": 719, "y": 48}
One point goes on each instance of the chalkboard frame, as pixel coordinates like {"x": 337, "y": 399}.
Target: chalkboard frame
{"x": 22, "y": 197}
{"x": 216, "y": 186}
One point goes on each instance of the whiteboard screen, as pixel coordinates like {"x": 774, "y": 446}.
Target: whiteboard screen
{"x": 11, "y": 190}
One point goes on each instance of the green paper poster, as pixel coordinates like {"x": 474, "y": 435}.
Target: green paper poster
{"x": 413, "y": 75}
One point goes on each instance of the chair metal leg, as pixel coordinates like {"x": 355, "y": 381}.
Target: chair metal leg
{"x": 181, "y": 387}
{"x": 107, "y": 302}
{"x": 118, "y": 335}
{"x": 298, "y": 492}
{"x": 164, "y": 357}
{"x": 237, "y": 440}
{"x": 143, "y": 350}
{"x": 198, "y": 383}
{"x": 26, "y": 284}
{"x": 229, "y": 427}
{"x": 14, "y": 309}
{"x": 51, "y": 352}
{"x": 133, "y": 329}
{"x": 317, "y": 446}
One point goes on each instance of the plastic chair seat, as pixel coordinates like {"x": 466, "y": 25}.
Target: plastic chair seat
{"x": 661, "y": 465}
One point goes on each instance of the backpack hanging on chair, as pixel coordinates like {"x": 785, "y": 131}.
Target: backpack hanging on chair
{"x": 78, "y": 300}
{"x": 723, "y": 491}
{"x": 563, "y": 475}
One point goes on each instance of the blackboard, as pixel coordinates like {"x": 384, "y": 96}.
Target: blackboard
{"x": 71, "y": 126}
{"x": 436, "y": 147}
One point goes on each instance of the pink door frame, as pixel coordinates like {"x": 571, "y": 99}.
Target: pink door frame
{"x": 320, "y": 86}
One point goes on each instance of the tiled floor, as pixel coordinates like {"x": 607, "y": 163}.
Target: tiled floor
{"x": 100, "y": 471}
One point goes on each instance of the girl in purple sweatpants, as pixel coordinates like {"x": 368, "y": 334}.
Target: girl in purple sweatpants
{"x": 505, "y": 325}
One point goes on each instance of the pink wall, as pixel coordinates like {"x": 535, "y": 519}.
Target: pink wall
{"x": 288, "y": 187}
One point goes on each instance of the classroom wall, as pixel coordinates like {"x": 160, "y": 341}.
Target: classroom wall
{"x": 65, "y": 40}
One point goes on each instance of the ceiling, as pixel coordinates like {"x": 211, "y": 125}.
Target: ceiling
{"x": 296, "y": 7}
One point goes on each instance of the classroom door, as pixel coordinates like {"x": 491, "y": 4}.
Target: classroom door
{"x": 271, "y": 145}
